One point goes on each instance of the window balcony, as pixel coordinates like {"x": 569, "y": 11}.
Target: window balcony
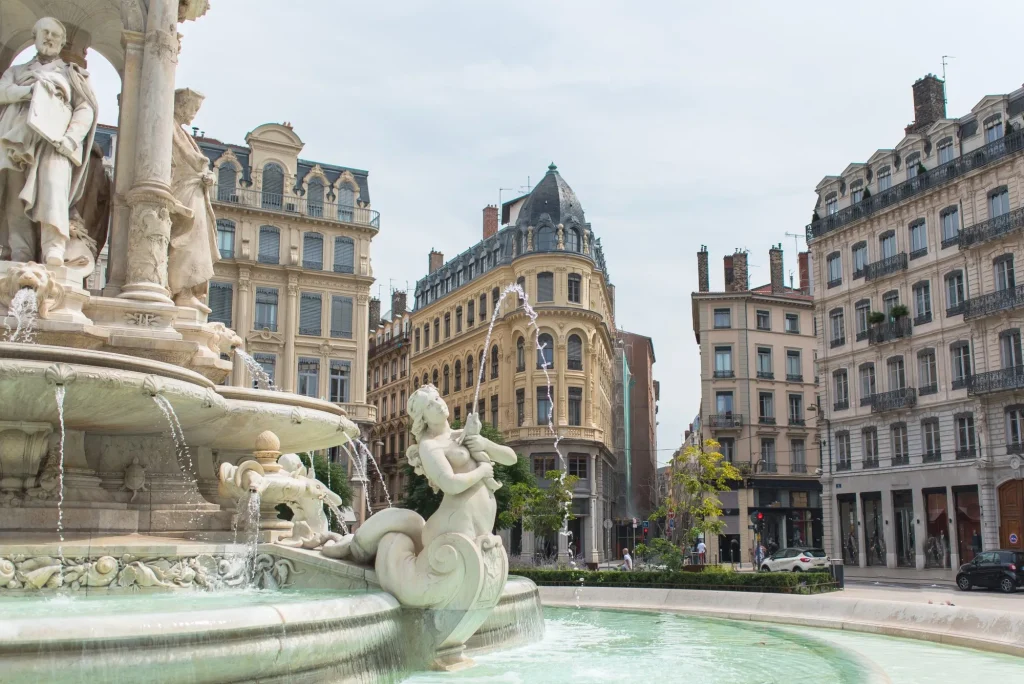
{"x": 1002, "y": 380}
{"x": 885, "y": 267}
{"x": 901, "y": 460}
{"x": 967, "y": 452}
{"x": 955, "y": 310}
{"x": 890, "y": 331}
{"x": 893, "y": 401}
{"x": 994, "y": 302}
{"x": 311, "y": 330}
{"x": 992, "y": 229}
{"x": 837, "y": 342}
{"x": 766, "y": 420}
{"x": 863, "y": 335}
{"x": 844, "y": 465}
{"x": 799, "y": 468}
{"x": 870, "y": 463}
{"x": 928, "y": 389}
{"x": 960, "y": 383}
{"x": 834, "y": 283}
{"x": 765, "y": 375}
{"x": 724, "y": 374}
{"x": 931, "y": 457}
{"x": 794, "y": 377}
{"x": 265, "y": 325}
{"x": 918, "y": 253}
{"x": 951, "y": 241}
{"x": 841, "y": 405}
{"x": 929, "y": 180}
{"x": 727, "y": 421}
{"x": 292, "y": 205}
{"x": 923, "y": 318}
{"x": 797, "y": 422}
{"x": 313, "y": 265}
{"x": 1015, "y": 448}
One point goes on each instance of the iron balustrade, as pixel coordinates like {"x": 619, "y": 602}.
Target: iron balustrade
{"x": 844, "y": 465}
{"x": 928, "y": 389}
{"x": 901, "y": 460}
{"x": 725, "y": 420}
{"x": 880, "y": 333}
{"x": 934, "y": 178}
{"x": 724, "y": 374}
{"x": 950, "y": 241}
{"x": 765, "y": 375}
{"x": 798, "y": 422}
{"x": 1003, "y": 380}
{"x": 994, "y": 302}
{"x": 966, "y": 452}
{"x": 992, "y": 229}
{"x": 841, "y": 405}
{"x": 870, "y": 463}
{"x": 766, "y": 420}
{"x": 886, "y": 266}
{"x": 931, "y": 457}
{"x": 393, "y": 343}
{"x": 837, "y": 342}
{"x": 312, "y": 330}
{"x": 891, "y": 401}
{"x": 923, "y": 318}
{"x": 794, "y": 377}
{"x": 288, "y": 204}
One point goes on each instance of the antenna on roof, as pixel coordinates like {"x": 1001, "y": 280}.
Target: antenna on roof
{"x": 945, "y": 100}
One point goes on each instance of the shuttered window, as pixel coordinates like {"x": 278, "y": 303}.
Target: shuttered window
{"x": 273, "y": 186}
{"x": 344, "y": 255}
{"x": 346, "y": 203}
{"x": 266, "y": 308}
{"x": 220, "y": 303}
{"x": 315, "y": 197}
{"x": 313, "y": 251}
{"x": 226, "y": 179}
{"x": 309, "y": 314}
{"x": 226, "y": 238}
{"x": 341, "y": 317}
{"x": 270, "y": 245}
{"x": 545, "y": 287}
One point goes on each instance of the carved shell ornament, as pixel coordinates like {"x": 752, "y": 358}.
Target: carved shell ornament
{"x": 134, "y": 478}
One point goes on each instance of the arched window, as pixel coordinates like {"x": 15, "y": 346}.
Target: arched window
{"x": 447, "y": 381}
{"x": 273, "y": 186}
{"x": 520, "y": 355}
{"x": 469, "y": 371}
{"x": 575, "y": 353}
{"x": 546, "y": 351}
{"x": 494, "y": 362}
{"x": 458, "y": 375}
{"x": 522, "y": 242}
{"x": 546, "y": 239}
{"x": 346, "y": 202}
{"x": 227, "y": 179}
{"x": 270, "y": 245}
{"x": 572, "y": 240}
{"x": 315, "y": 197}
{"x": 313, "y": 251}
{"x": 435, "y": 383}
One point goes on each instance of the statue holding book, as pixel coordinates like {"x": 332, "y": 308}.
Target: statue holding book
{"x": 48, "y": 115}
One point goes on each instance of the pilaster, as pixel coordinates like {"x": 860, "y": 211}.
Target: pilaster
{"x": 291, "y": 328}
{"x": 920, "y": 513}
{"x": 889, "y": 529}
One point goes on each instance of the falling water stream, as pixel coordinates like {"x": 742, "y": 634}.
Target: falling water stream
{"x": 252, "y": 525}
{"x": 59, "y": 392}
{"x": 356, "y": 460}
{"x": 24, "y": 310}
{"x": 180, "y": 446}
{"x": 365, "y": 450}
{"x": 259, "y": 376}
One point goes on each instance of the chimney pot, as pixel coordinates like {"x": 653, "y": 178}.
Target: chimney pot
{"x": 929, "y": 102}
{"x": 730, "y": 284}
{"x": 739, "y": 267}
{"x": 703, "y": 280}
{"x": 436, "y": 261}
{"x": 775, "y": 264}
{"x": 490, "y": 220}
{"x": 397, "y": 304}
{"x": 805, "y": 272}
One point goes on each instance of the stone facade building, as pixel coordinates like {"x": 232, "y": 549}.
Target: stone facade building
{"x": 757, "y": 386}
{"x": 547, "y": 246}
{"x": 640, "y": 423}
{"x": 389, "y": 385}
{"x": 919, "y": 350}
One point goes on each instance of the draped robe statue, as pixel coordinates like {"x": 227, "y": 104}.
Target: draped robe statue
{"x": 42, "y": 177}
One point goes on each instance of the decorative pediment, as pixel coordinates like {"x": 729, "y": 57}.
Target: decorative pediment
{"x": 229, "y": 158}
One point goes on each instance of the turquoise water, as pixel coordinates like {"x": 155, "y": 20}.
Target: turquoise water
{"x": 614, "y": 646}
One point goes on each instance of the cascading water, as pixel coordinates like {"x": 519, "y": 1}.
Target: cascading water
{"x": 356, "y": 460}
{"x": 180, "y": 446}
{"x": 24, "y": 310}
{"x": 259, "y": 376}
{"x": 365, "y": 450}
{"x": 336, "y": 512}
{"x": 252, "y": 525}
{"x": 60, "y": 392}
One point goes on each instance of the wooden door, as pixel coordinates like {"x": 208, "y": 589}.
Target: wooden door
{"x": 1011, "y": 515}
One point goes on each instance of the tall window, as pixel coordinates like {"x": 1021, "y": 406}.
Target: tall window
{"x": 546, "y": 352}
{"x": 315, "y": 197}
{"x": 861, "y": 312}
{"x": 545, "y": 287}
{"x": 764, "y": 362}
{"x": 796, "y": 409}
{"x": 965, "y": 438}
{"x": 574, "y": 352}
{"x": 340, "y": 381}
{"x": 227, "y": 179}
{"x": 416, "y": 340}
{"x": 458, "y": 319}
{"x": 998, "y": 203}
{"x": 888, "y": 243}
{"x": 270, "y": 245}
{"x": 723, "y": 403}
{"x": 831, "y": 205}
{"x": 792, "y": 323}
{"x": 226, "y": 238}
{"x": 544, "y": 414}
{"x": 470, "y": 380}
{"x": 860, "y": 259}
{"x": 885, "y": 179}
{"x": 344, "y": 255}
{"x": 1015, "y": 429}
{"x": 918, "y": 239}
{"x": 768, "y": 463}
{"x": 495, "y": 298}
{"x": 426, "y": 335}
{"x": 723, "y": 362}
{"x": 437, "y": 330}
{"x": 869, "y": 437}
{"x": 494, "y": 362}
{"x": 520, "y": 355}
{"x": 520, "y": 407}
{"x": 447, "y": 325}
{"x": 766, "y": 407}
{"x": 843, "y": 450}
{"x": 794, "y": 371}
{"x": 946, "y": 152}
{"x": 266, "y": 308}
{"x": 545, "y": 239}
{"x": 470, "y": 311}
{"x": 309, "y": 313}
{"x": 494, "y": 410}
{"x": 798, "y": 456}
{"x": 857, "y": 195}
{"x": 458, "y": 374}
{"x": 954, "y": 293}
{"x": 1010, "y": 348}
{"x": 923, "y": 302}
{"x": 483, "y": 308}
{"x": 834, "y": 264}
{"x": 890, "y": 300}
{"x": 447, "y": 381}
{"x": 960, "y": 353}
{"x": 927, "y": 376}
{"x": 837, "y": 327}
{"x": 764, "y": 320}
{"x": 993, "y": 131}
{"x": 575, "y": 406}
{"x": 220, "y": 303}
{"x": 572, "y": 240}
{"x": 867, "y": 381}
{"x": 930, "y": 437}
{"x": 900, "y": 443}
{"x": 913, "y": 166}
{"x": 950, "y": 224}
{"x": 346, "y": 202}
{"x": 897, "y": 373}
{"x": 574, "y": 288}
{"x": 309, "y": 376}
{"x": 341, "y": 317}
{"x": 1002, "y": 267}
{"x": 842, "y": 389}
{"x": 722, "y": 318}
{"x": 273, "y": 186}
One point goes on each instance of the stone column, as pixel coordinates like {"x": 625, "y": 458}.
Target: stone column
{"x": 952, "y": 534}
{"x": 526, "y": 553}
{"x": 588, "y": 395}
{"x": 291, "y": 328}
{"x": 596, "y": 531}
{"x": 920, "y": 513}
{"x": 360, "y": 323}
{"x": 889, "y": 529}
{"x": 150, "y": 198}
{"x": 828, "y": 504}
{"x": 862, "y": 556}
{"x": 561, "y": 393}
{"x": 124, "y": 165}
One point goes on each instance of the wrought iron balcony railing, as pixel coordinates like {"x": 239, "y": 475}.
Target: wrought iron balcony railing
{"x": 870, "y": 463}
{"x": 921, "y": 319}
{"x": 794, "y": 377}
{"x": 841, "y": 405}
{"x": 724, "y": 374}
{"x": 993, "y": 228}
{"x": 994, "y": 302}
{"x": 844, "y": 465}
{"x": 887, "y": 266}
{"x": 901, "y": 460}
{"x": 766, "y": 420}
{"x": 880, "y": 333}
{"x": 934, "y": 178}
{"x": 312, "y": 330}
{"x": 928, "y": 389}
{"x": 287, "y": 204}
{"x": 966, "y": 452}
{"x": 765, "y": 375}
{"x": 797, "y": 422}
{"x": 1002, "y": 380}
{"x": 393, "y": 343}
{"x": 725, "y": 420}
{"x": 897, "y": 399}
{"x": 931, "y": 456}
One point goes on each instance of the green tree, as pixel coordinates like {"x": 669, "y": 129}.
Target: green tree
{"x": 338, "y": 480}
{"x": 544, "y": 511}
{"x": 698, "y": 476}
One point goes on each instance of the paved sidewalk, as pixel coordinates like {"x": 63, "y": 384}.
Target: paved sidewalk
{"x": 976, "y": 598}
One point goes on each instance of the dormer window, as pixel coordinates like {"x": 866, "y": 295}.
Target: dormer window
{"x": 831, "y": 204}
{"x": 885, "y": 178}
{"x": 857, "y": 191}
{"x": 946, "y": 151}
{"x": 913, "y": 165}
{"x": 993, "y": 129}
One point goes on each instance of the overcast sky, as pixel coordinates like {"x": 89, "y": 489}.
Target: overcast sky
{"x": 677, "y": 125}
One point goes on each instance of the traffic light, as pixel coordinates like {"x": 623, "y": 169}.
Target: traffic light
{"x": 757, "y": 518}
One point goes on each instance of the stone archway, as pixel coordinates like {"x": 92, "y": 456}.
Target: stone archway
{"x": 1011, "y": 515}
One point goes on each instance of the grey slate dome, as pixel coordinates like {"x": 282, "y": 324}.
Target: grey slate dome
{"x": 552, "y": 197}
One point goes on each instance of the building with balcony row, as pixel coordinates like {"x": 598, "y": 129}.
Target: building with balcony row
{"x": 757, "y": 391}
{"x": 918, "y": 317}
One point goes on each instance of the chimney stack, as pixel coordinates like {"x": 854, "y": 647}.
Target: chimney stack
{"x": 739, "y": 270}
{"x": 703, "y": 282}
{"x": 730, "y": 283}
{"x": 436, "y": 261}
{"x": 490, "y": 220}
{"x": 374, "y": 313}
{"x": 805, "y": 272}
{"x": 929, "y": 102}
{"x": 397, "y": 304}
{"x": 775, "y": 265}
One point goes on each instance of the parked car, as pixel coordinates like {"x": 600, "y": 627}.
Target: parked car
{"x": 1000, "y": 569}
{"x": 794, "y": 559}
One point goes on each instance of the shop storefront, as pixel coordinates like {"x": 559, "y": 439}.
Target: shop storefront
{"x": 903, "y": 520}
{"x": 968, "y": 522}
{"x": 848, "y": 528}
{"x": 936, "y": 543}
{"x": 874, "y": 537}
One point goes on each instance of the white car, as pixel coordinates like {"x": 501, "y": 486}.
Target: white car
{"x": 795, "y": 560}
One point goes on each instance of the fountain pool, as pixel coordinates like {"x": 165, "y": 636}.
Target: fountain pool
{"x": 606, "y": 645}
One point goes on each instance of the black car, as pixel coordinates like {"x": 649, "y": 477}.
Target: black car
{"x": 999, "y": 569}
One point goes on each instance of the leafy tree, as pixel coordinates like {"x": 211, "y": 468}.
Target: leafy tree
{"x": 698, "y": 475}
{"x": 338, "y": 484}
{"x": 661, "y": 551}
{"x": 544, "y": 511}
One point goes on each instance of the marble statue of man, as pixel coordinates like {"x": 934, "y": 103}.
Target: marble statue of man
{"x": 42, "y": 174}
{"x": 193, "y": 249}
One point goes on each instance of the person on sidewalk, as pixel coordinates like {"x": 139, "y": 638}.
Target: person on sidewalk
{"x": 702, "y": 550}
{"x": 627, "y": 561}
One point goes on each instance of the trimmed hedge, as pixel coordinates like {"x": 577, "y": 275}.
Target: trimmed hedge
{"x": 771, "y": 582}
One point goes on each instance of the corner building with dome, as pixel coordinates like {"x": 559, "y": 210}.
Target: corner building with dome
{"x": 545, "y": 244}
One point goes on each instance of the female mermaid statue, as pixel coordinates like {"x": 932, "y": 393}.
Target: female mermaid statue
{"x": 419, "y": 561}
